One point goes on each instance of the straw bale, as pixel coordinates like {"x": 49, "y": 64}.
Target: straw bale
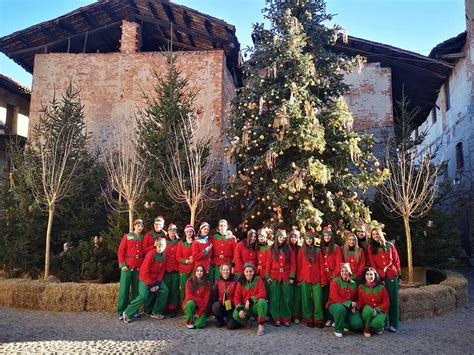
{"x": 460, "y": 284}
{"x": 415, "y": 303}
{"x": 64, "y": 297}
{"x": 102, "y": 297}
{"x": 28, "y": 293}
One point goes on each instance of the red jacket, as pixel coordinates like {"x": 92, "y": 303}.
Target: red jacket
{"x": 200, "y": 256}
{"x": 183, "y": 252}
{"x": 171, "y": 249}
{"x": 357, "y": 266}
{"x": 244, "y": 255}
{"x": 223, "y": 249}
{"x": 262, "y": 256}
{"x": 130, "y": 251}
{"x": 332, "y": 262}
{"x": 281, "y": 268}
{"x": 342, "y": 292}
{"x": 254, "y": 290}
{"x": 310, "y": 271}
{"x": 149, "y": 240}
{"x": 385, "y": 259}
{"x": 376, "y": 297}
{"x": 200, "y": 297}
{"x": 153, "y": 268}
{"x": 224, "y": 290}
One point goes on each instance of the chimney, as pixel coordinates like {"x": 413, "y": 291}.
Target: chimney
{"x": 129, "y": 42}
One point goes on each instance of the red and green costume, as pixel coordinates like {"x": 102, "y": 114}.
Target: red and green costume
{"x": 130, "y": 254}
{"x": 150, "y": 238}
{"x": 331, "y": 261}
{"x": 356, "y": 262}
{"x": 370, "y": 298}
{"x": 387, "y": 263}
{"x": 244, "y": 254}
{"x": 223, "y": 293}
{"x": 200, "y": 255}
{"x": 195, "y": 304}
{"x": 151, "y": 274}
{"x": 254, "y": 292}
{"x": 295, "y": 290}
{"x": 183, "y": 253}
{"x": 171, "y": 274}
{"x": 222, "y": 252}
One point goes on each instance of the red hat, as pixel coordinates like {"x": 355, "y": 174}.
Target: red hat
{"x": 310, "y": 234}
{"x": 360, "y": 227}
{"x": 204, "y": 224}
{"x": 327, "y": 230}
{"x": 189, "y": 228}
{"x": 159, "y": 218}
{"x": 172, "y": 226}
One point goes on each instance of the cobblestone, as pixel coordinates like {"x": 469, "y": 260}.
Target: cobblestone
{"x": 26, "y": 331}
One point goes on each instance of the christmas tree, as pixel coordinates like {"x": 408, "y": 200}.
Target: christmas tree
{"x": 298, "y": 159}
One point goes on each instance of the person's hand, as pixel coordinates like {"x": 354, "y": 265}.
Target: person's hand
{"x": 269, "y": 280}
{"x": 354, "y": 304}
{"x": 124, "y": 268}
{"x": 374, "y": 312}
{"x": 153, "y": 289}
{"x": 247, "y": 304}
{"x": 242, "y": 314}
{"x": 292, "y": 281}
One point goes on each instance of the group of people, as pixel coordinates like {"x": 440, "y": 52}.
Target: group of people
{"x": 282, "y": 277}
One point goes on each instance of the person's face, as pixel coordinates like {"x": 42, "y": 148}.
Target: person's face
{"x": 222, "y": 228}
{"x": 252, "y": 238}
{"x": 327, "y": 237}
{"x": 160, "y": 248}
{"x": 262, "y": 239}
{"x": 344, "y": 273}
{"x": 360, "y": 234}
{"x": 370, "y": 276}
{"x": 375, "y": 236}
{"x": 138, "y": 228}
{"x": 281, "y": 239}
{"x": 172, "y": 234}
{"x": 205, "y": 230}
{"x": 352, "y": 241}
{"x": 225, "y": 272}
{"x": 158, "y": 226}
{"x": 199, "y": 272}
{"x": 189, "y": 234}
{"x": 293, "y": 239}
{"x": 309, "y": 241}
{"x": 249, "y": 272}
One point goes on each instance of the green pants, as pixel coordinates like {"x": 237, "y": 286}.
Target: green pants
{"x": 295, "y": 301}
{"x": 172, "y": 281}
{"x": 214, "y": 274}
{"x": 394, "y": 309}
{"x": 258, "y": 309}
{"x": 127, "y": 279}
{"x": 325, "y": 294}
{"x": 344, "y": 318}
{"x": 311, "y": 302}
{"x": 183, "y": 277}
{"x": 144, "y": 294}
{"x": 189, "y": 315}
{"x": 280, "y": 301}
{"x": 377, "y": 322}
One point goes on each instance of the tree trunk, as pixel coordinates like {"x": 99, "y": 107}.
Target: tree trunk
{"x": 193, "y": 215}
{"x": 130, "y": 218}
{"x": 48, "y": 241}
{"x": 406, "y": 223}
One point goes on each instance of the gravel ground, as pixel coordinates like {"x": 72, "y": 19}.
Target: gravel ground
{"x": 26, "y": 331}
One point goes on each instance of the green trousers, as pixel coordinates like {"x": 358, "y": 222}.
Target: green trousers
{"x": 280, "y": 301}
{"x": 325, "y": 294}
{"x": 394, "y": 309}
{"x": 127, "y": 279}
{"x": 144, "y": 294}
{"x": 344, "y": 318}
{"x": 311, "y": 302}
{"x": 189, "y": 315}
{"x": 214, "y": 274}
{"x": 377, "y": 322}
{"x": 172, "y": 281}
{"x": 295, "y": 300}
{"x": 258, "y": 309}
{"x": 183, "y": 277}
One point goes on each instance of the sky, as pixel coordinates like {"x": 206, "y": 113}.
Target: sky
{"x": 415, "y": 25}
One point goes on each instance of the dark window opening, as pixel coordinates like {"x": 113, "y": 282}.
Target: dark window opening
{"x": 433, "y": 115}
{"x": 459, "y": 157}
{"x": 447, "y": 95}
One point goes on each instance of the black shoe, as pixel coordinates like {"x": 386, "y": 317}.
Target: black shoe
{"x": 220, "y": 324}
{"x": 310, "y": 324}
{"x": 276, "y": 324}
{"x": 320, "y": 325}
{"x": 172, "y": 313}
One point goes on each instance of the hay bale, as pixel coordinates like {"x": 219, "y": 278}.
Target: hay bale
{"x": 445, "y": 299}
{"x": 102, "y": 297}
{"x": 65, "y": 297}
{"x": 460, "y": 284}
{"x": 28, "y": 293}
{"x": 416, "y": 303}
{"x": 6, "y": 293}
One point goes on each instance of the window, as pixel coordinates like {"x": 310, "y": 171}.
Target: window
{"x": 459, "y": 157}
{"x": 10, "y": 117}
{"x": 433, "y": 115}
{"x": 447, "y": 97}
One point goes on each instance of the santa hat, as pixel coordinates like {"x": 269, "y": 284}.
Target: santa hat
{"x": 280, "y": 233}
{"x": 223, "y": 221}
{"x": 189, "y": 228}
{"x": 360, "y": 227}
{"x": 310, "y": 234}
{"x": 204, "y": 224}
{"x": 327, "y": 230}
{"x": 159, "y": 219}
{"x": 138, "y": 221}
{"x": 295, "y": 232}
{"x": 172, "y": 226}
{"x": 262, "y": 232}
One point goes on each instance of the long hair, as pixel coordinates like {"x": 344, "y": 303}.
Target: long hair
{"x": 357, "y": 249}
{"x": 329, "y": 247}
{"x": 291, "y": 245}
{"x": 377, "y": 246}
{"x": 251, "y": 246}
{"x": 311, "y": 251}
{"x": 195, "y": 282}
{"x": 284, "y": 248}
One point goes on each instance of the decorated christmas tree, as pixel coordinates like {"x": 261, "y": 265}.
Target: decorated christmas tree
{"x": 298, "y": 160}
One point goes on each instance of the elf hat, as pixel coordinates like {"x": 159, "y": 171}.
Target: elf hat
{"x": 250, "y": 232}
{"x": 295, "y": 232}
{"x": 204, "y": 224}
{"x": 223, "y": 221}
{"x": 159, "y": 219}
{"x": 189, "y": 228}
{"x": 262, "y": 232}
{"x": 280, "y": 233}
{"x": 160, "y": 242}
{"x": 246, "y": 265}
{"x": 138, "y": 221}
{"x": 360, "y": 227}
{"x": 172, "y": 226}
{"x": 310, "y": 234}
{"x": 327, "y": 231}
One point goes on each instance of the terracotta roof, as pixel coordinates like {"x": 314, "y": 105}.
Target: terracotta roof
{"x": 13, "y": 86}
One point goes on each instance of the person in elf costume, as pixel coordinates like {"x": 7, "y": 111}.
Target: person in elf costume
{"x": 362, "y": 238}
{"x": 309, "y": 266}
{"x": 130, "y": 258}
{"x": 384, "y": 259}
{"x": 202, "y": 247}
{"x": 172, "y": 266}
{"x": 151, "y": 283}
{"x": 184, "y": 257}
{"x": 250, "y": 300}
{"x": 373, "y": 301}
{"x": 223, "y": 296}
{"x": 332, "y": 255}
{"x": 245, "y": 253}
{"x": 355, "y": 257}
{"x": 280, "y": 274}
{"x": 263, "y": 251}
{"x": 223, "y": 245}
{"x": 295, "y": 290}
{"x": 196, "y": 298}
{"x": 342, "y": 303}
{"x": 156, "y": 232}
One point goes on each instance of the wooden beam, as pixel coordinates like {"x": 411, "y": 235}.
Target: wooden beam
{"x": 65, "y": 27}
{"x": 453, "y": 56}
{"x": 178, "y": 44}
{"x": 187, "y": 19}
{"x": 92, "y": 22}
{"x": 133, "y": 5}
{"x": 108, "y": 10}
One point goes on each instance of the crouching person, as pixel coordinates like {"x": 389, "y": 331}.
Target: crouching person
{"x": 250, "y": 300}
{"x": 196, "y": 299}
{"x": 151, "y": 283}
{"x": 224, "y": 292}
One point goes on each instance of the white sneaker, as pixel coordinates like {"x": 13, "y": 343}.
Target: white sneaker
{"x": 339, "y": 335}
{"x": 125, "y": 318}
{"x": 157, "y": 316}
{"x": 260, "y": 330}
{"x": 367, "y": 334}
{"x": 379, "y": 331}
{"x": 392, "y": 329}
{"x": 328, "y": 323}
{"x": 297, "y": 321}
{"x": 189, "y": 325}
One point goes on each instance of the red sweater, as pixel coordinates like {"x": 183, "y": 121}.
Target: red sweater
{"x": 200, "y": 297}
{"x": 200, "y": 256}
{"x": 310, "y": 271}
{"x": 184, "y": 252}
{"x": 376, "y": 297}
{"x": 130, "y": 251}
{"x": 225, "y": 290}
{"x": 244, "y": 255}
{"x": 332, "y": 261}
{"x": 342, "y": 292}
{"x": 149, "y": 240}
{"x": 244, "y": 291}
{"x": 171, "y": 249}
{"x": 262, "y": 256}
{"x": 153, "y": 268}
{"x": 281, "y": 268}
{"x": 223, "y": 249}
{"x": 357, "y": 266}
{"x": 385, "y": 259}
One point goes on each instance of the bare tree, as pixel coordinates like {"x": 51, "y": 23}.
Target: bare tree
{"x": 51, "y": 180}
{"x": 191, "y": 176}
{"x": 413, "y": 184}
{"x": 126, "y": 170}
